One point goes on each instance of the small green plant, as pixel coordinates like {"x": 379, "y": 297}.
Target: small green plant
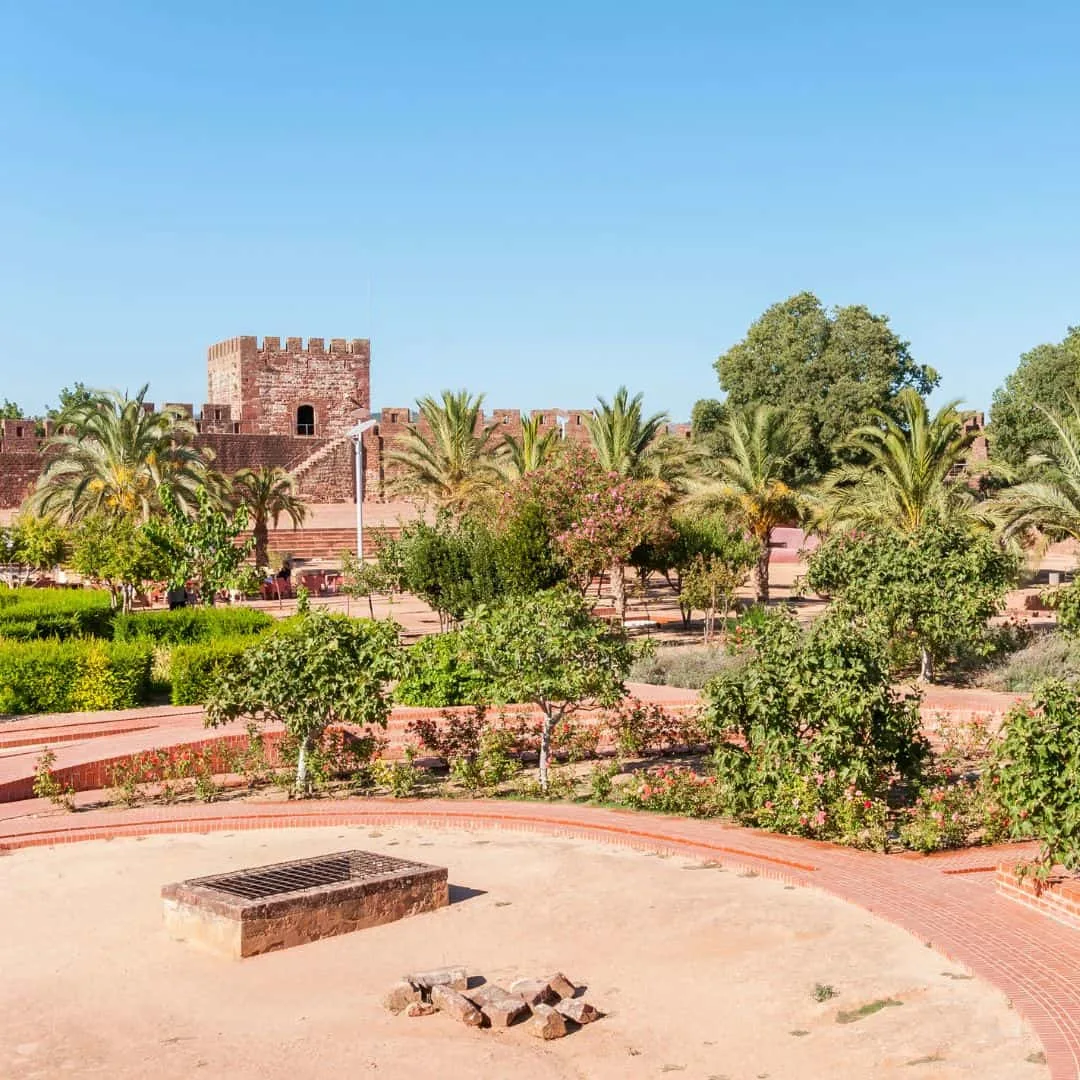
{"x": 824, "y": 992}
{"x": 46, "y": 786}
{"x": 851, "y": 1016}
{"x": 602, "y": 780}
{"x": 494, "y": 763}
{"x": 403, "y": 779}
{"x": 674, "y": 789}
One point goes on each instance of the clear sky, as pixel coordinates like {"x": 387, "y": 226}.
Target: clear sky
{"x": 538, "y": 201}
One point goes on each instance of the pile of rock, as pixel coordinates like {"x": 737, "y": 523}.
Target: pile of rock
{"x": 547, "y": 1008}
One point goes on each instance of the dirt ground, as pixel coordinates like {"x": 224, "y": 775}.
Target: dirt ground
{"x": 703, "y": 973}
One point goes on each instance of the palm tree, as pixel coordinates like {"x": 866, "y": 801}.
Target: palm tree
{"x": 623, "y": 439}
{"x": 904, "y": 477}
{"x": 1050, "y": 503}
{"x": 112, "y": 454}
{"x": 447, "y": 458}
{"x": 267, "y": 493}
{"x": 751, "y": 480}
{"x": 530, "y": 452}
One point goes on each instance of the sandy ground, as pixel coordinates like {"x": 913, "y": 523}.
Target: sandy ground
{"x": 703, "y": 973}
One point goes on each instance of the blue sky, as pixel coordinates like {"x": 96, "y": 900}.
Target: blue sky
{"x": 536, "y": 201}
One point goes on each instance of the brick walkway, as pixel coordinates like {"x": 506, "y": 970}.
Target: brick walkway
{"x": 1033, "y": 961}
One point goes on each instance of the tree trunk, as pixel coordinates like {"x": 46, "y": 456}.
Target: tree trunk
{"x": 761, "y": 572}
{"x": 618, "y": 590}
{"x": 301, "y": 768}
{"x": 262, "y": 540}
{"x": 926, "y": 666}
{"x": 545, "y": 748}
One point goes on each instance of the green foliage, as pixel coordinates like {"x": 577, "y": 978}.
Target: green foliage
{"x": 9, "y": 410}
{"x": 526, "y": 555}
{"x": 197, "y": 669}
{"x": 1047, "y": 377}
{"x": 46, "y": 785}
{"x": 437, "y": 673}
{"x": 624, "y": 439}
{"x": 826, "y": 369}
{"x": 187, "y": 625}
{"x": 38, "y": 542}
{"x": 547, "y": 649}
{"x": 674, "y": 790}
{"x": 1038, "y": 773}
{"x": 32, "y": 614}
{"x": 1049, "y": 656}
{"x": 931, "y": 592}
{"x": 72, "y": 676}
{"x": 810, "y": 707}
{"x": 710, "y": 581}
{"x": 203, "y": 547}
{"x": 116, "y": 552}
{"x": 952, "y": 814}
{"x": 402, "y": 779}
{"x": 319, "y": 671}
{"x": 639, "y": 728}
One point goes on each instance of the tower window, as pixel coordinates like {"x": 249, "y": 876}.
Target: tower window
{"x": 305, "y": 420}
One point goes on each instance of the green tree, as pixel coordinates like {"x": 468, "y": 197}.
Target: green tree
{"x": 70, "y": 399}
{"x": 547, "y": 649}
{"x": 826, "y": 369}
{"x": 529, "y": 453}
{"x": 805, "y": 703}
{"x": 9, "y": 410}
{"x": 267, "y": 493}
{"x": 1047, "y": 378}
{"x": 115, "y": 551}
{"x": 931, "y": 591}
{"x": 448, "y": 459}
{"x": 753, "y": 481}
{"x": 111, "y": 455}
{"x": 903, "y": 474}
{"x": 623, "y": 438}
{"x": 526, "y": 555}
{"x": 40, "y": 542}
{"x": 321, "y": 670}
{"x": 721, "y": 565}
{"x": 1049, "y": 503}
{"x": 204, "y": 546}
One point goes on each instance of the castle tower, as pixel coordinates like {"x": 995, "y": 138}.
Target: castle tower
{"x": 270, "y": 389}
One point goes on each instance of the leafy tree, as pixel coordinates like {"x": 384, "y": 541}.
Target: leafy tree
{"x": 931, "y": 591}
{"x": 448, "y": 459}
{"x": 805, "y": 702}
{"x": 1037, "y": 773}
{"x": 40, "y": 543}
{"x": 753, "y": 481}
{"x": 1048, "y": 377}
{"x": 530, "y": 452}
{"x": 116, "y": 552}
{"x": 321, "y": 670}
{"x": 715, "y": 572}
{"x": 266, "y": 493}
{"x": 71, "y": 398}
{"x": 526, "y": 555}
{"x": 437, "y": 674}
{"x": 203, "y": 547}
{"x": 902, "y": 478}
{"x": 1048, "y": 503}
{"x": 827, "y": 369}
{"x": 111, "y": 455}
{"x": 547, "y": 649}
{"x": 9, "y": 410}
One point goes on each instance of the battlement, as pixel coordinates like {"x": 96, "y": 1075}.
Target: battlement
{"x": 251, "y": 346}
{"x": 19, "y": 436}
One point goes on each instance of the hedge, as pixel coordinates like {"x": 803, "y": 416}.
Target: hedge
{"x": 188, "y": 625}
{"x": 196, "y": 668}
{"x": 72, "y": 676}
{"x": 35, "y": 614}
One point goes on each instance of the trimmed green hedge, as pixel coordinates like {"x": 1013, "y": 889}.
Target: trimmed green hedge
{"x": 72, "y": 676}
{"x": 196, "y": 669}
{"x": 188, "y": 625}
{"x": 35, "y": 614}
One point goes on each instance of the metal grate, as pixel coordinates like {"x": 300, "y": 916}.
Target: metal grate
{"x": 307, "y": 874}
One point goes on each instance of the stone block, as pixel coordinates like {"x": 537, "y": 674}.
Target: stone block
{"x": 561, "y": 985}
{"x": 499, "y": 1006}
{"x": 546, "y": 1023}
{"x": 454, "y": 977}
{"x": 421, "y": 1008}
{"x": 534, "y": 992}
{"x": 456, "y": 1005}
{"x": 578, "y": 1010}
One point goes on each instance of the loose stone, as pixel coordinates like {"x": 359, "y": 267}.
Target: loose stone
{"x": 456, "y": 1005}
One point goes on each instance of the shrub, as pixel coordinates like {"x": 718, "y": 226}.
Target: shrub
{"x": 1037, "y": 774}
{"x": 1066, "y": 602}
{"x": 687, "y": 666}
{"x": 70, "y": 676}
{"x": 438, "y": 675}
{"x": 674, "y": 790}
{"x": 198, "y": 668}
{"x": 639, "y": 728}
{"x": 187, "y": 625}
{"x": 35, "y": 614}
{"x": 1050, "y": 655}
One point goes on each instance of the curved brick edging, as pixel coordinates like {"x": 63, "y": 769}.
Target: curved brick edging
{"x": 1033, "y": 961}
